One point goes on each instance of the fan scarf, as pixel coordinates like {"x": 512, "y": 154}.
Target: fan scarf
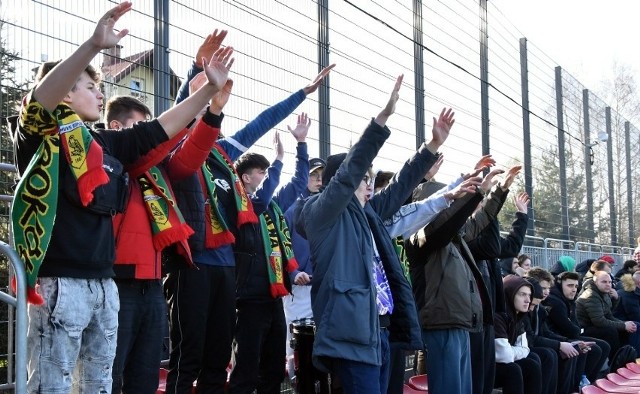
{"x": 277, "y": 244}
{"x": 35, "y": 201}
{"x": 167, "y": 224}
{"x": 217, "y": 230}
{"x": 398, "y": 246}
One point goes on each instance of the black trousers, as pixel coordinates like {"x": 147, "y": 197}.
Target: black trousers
{"x": 483, "y": 360}
{"x": 607, "y": 334}
{"x": 522, "y": 376}
{"x": 259, "y": 347}
{"x": 548, "y": 359}
{"x": 202, "y": 313}
{"x": 596, "y": 357}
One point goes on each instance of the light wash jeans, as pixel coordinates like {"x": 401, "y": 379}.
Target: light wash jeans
{"x": 72, "y": 337}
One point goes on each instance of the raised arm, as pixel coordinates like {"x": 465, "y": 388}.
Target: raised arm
{"x": 323, "y": 211}
{"x": 293, "y": 189}
{"x": 243, "y": 139}
{"x": 390, "y": 199}
{"x": 208, "y": 47}
{"x": 61, "y": 79}
{"x": 217, "y": 71}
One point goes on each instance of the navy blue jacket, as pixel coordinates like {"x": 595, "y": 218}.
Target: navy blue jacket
{"x": 339, "y": 231}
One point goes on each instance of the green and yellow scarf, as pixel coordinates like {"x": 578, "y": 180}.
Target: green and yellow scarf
{"x": 278, "y": 250}
{"x": 217, "y": 230}
{"x": 35, "y": 201}
{"x": 167, "y": 223}
{"x": 398, "y": 245}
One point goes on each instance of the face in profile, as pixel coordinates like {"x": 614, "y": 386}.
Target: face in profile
{"x": 522, "y": 299}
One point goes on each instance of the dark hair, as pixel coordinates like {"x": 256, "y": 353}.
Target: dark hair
{"x": 629, "y": 264}
{"x": 382, "y": 179}
{"x": 48, "y": 66}
{"x": 522, "y": 258}
{"x": 120, "y": 108}
{"x": 568, "y": 275}
{"x": 539, "y": 274}
{"x": 249, "y": 161}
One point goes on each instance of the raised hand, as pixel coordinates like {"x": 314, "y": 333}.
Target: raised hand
{"x": 104, "y": 36}
{"x": 468, "y": 186}
{"x": 488, "y": 182}
{"x": 485, "y": 161}
{"x": 209, "y": 46}
{"x": 217, "y": 68}
{"x": 511, "y": 176}
{"x": 302, "y": 128}
{"x": 390, "y": 108}
{"x": 521, "y": 201}
{"x": 434, "y": 168}
{"x": 313, "y": 86}
{"x": 442, "y": 126}
{"x": 277, "y": 146}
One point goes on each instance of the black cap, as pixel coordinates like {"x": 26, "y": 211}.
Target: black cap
{"x": 316, "y": 163}
{"x": 333, "y": 163}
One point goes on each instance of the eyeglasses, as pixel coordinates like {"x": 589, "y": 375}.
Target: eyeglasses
{"x": 368, "y": 180}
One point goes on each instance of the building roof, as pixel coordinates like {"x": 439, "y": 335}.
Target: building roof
{"x": 121, "y": 67}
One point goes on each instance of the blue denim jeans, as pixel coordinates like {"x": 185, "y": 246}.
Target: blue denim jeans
{"x": 362, "y": 378}
{"x": 448, "y": 361}
{"x": 72, "y": 337}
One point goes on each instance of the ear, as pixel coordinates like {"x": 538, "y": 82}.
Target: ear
{"x": 115, "y": 125}
{"x": 67, "y": 98}
{"x": 246, "y": 178}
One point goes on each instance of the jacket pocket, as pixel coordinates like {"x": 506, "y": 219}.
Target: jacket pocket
{"x": 350, "y": 313}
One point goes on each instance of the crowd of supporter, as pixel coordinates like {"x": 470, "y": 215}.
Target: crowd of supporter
{"x": 138, "y": 223}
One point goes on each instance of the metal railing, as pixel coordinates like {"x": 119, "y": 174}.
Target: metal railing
{"x": 19, "y": 303}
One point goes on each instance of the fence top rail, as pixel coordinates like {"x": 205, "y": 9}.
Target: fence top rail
{"x": 550, "y": 242}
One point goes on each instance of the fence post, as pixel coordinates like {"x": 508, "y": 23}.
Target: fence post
{"x": 418, "y": 65}
{"x": 484, "y": 77}
{"x": 324, "y": 112}
{"x": 526, "y": 133}
{"x": 588, "y": 154}
{"x": 627, "y": 146}
{"x": 613, "y": 219}
{"x": 561, "y": 158}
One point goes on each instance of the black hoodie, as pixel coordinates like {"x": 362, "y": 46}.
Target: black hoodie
{"x": 511, "y": 344}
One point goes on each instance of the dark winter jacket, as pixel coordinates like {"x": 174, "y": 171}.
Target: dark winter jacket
{"x": 340, "y": 232}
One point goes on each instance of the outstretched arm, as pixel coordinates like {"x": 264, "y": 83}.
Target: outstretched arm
{"x": 216, "y": 70}
{"x": 243, "y": 139}
{"x": 61, "y": 79}
{"x": 208, "y": 47}
{"x": 289, "y": 192}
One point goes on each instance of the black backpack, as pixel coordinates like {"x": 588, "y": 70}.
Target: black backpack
{"x": 623, "y": 356}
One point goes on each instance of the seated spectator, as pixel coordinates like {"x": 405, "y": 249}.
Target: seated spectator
{"x": 517, "y": 369}
{"x": 596, "y": 265}
{"x": 583, "y": 267}
{"x": 560, "y": 304}
{"x": 524, "y": 262}
{"x": 564, "y": 263}
{"x": 508, "y": 266}
{"x": 595, "y": 315}
{"x": 569, "y": 360}
{"x": 628, "y": 307}
{"x": 629, "y": 267}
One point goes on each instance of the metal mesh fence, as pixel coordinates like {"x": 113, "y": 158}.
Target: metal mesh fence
{"x": 278, "y": 45}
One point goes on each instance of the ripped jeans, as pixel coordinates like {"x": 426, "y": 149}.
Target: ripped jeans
{"x": 71, "y": 338}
